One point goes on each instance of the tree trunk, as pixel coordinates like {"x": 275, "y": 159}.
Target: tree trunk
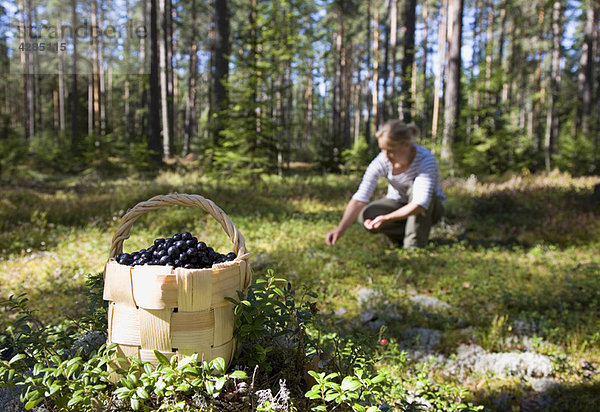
{"x": 440, "y": 71}
{"x": 347, "y": 94}
{"x": 24, "y": 69}
{"x": 127, "y": 85}
{"x": 91, "y": 100}
{"x": 61, "y": 86}
{"x": 452, "y": 85}
{"x": 596, "y": 156}
{"x": 190, "y": 107}
{"x": 74, "y": 92}
{"x": 368, "y": 97}
{"x": 141, "y": 124}
{"x": 37, "y": 95}
{"x": 154, "y": 142}
{"x": 164, "y": 109}
{"x": 338, "y": 89}
{"x": 552, "y": 124}
{"x": 170, "y": 73}
{"x": 586, "y": 73}
{"x": 390, "y": 102}
{"x": 408, "y": 59}
{"x": 489, "y": 53}
{"x": 386, "y": 59}
{"x": 221, "y": 71}
{"x": 500, "y": 64}
{"x": 425, "y": 107}
{"x": 101, "y": 81}
{"x": 94, "y": 85}
{"x": 30, "y": 79}
{"x": 375, "y": 96}
{"x": 535, "y": 118}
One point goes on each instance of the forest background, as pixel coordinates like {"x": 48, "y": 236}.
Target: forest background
{"x": 104, "y": 104}
{"x": 495, "y": 86}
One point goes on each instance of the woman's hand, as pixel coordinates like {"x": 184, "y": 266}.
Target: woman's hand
{"x": 333, "y": 236}
{"x": 376, "y": 223}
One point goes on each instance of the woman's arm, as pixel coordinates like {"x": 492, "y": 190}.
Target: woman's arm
{"x": 405, "y": 211}
{"x": 350, "y": 214}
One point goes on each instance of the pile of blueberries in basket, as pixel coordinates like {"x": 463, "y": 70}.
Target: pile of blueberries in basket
{"x": 179, "y": 250}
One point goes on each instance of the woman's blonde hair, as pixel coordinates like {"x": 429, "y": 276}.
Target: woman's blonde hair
{"x": 396, "y": 131}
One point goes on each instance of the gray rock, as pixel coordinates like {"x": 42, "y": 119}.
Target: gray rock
{"x": 340, "y": 311}
{"x": 367, "y": 297}
{"x": 429, "y": 303}
{"x": 9, "y": 400}
{"x": 89, "y": 343}
{"x": 526, "y": 364}
{"x": 368, "y": 316}
{"x": 427, "y": 339}
{"x": 544, "y": 384}
{"x": 515, "y": 364}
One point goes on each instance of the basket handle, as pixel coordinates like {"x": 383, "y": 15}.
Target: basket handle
{"x": 176, "y": 199}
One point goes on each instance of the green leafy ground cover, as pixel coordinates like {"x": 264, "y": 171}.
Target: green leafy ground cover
{"x": 515, "y": 266}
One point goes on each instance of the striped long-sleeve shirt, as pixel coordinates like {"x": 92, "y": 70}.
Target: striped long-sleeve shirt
{"x": 422, "y": 175}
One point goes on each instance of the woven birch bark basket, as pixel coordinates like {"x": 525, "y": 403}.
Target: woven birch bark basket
{"x": 174, "y": 311}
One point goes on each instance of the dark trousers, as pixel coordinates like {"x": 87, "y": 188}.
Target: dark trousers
{"x": 412, "y": 232}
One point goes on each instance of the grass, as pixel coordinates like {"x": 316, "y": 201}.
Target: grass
{"x": 518, "y": 252}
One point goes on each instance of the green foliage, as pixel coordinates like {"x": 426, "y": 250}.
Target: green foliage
{"x": 12, "y": 150}
{"x": 171, "y": 385}
{"x": 72, "y": 383}
{"x": 358, "y": 392}
{"x": 271, "y": 326}
{"x": 359, "y": 157}
{"x": 26, "y": 335}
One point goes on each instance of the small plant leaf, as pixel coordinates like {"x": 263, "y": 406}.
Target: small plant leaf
{"x": 238, "y": 375}
{"x": 350, "y": 383}
{"x": 17, "y": 358}
{"x": 141, "y": 392}
{"x": 161, "y": 358}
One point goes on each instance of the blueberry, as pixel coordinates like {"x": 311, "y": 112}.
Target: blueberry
{"x": 205, "y": 261}
{"x": 159, "y": 241}
{"x": 164, "y": 260}
{"x": 173, "y": 251}
{"x": 191, "y": 243}
{"x": 194, "y": 239}
{"x": 201, "y": 246}
{"x": 176, "y": 263}
{"x": 168, "y": 243}
{"x": 188, "y": 266}
{"x": 146, "y": 256}
{"x": 176, "y": 237}
{"x": 192, "y": 251}
{"x": 231, "y": 256}
{"x": 181, "y": 244}
{"x": 186, "y": 235}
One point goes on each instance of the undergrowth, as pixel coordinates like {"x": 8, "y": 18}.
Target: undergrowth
{"x": 515, "y": 260}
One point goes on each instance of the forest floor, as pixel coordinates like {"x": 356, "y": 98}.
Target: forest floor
{"x": 505, "y": 301}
